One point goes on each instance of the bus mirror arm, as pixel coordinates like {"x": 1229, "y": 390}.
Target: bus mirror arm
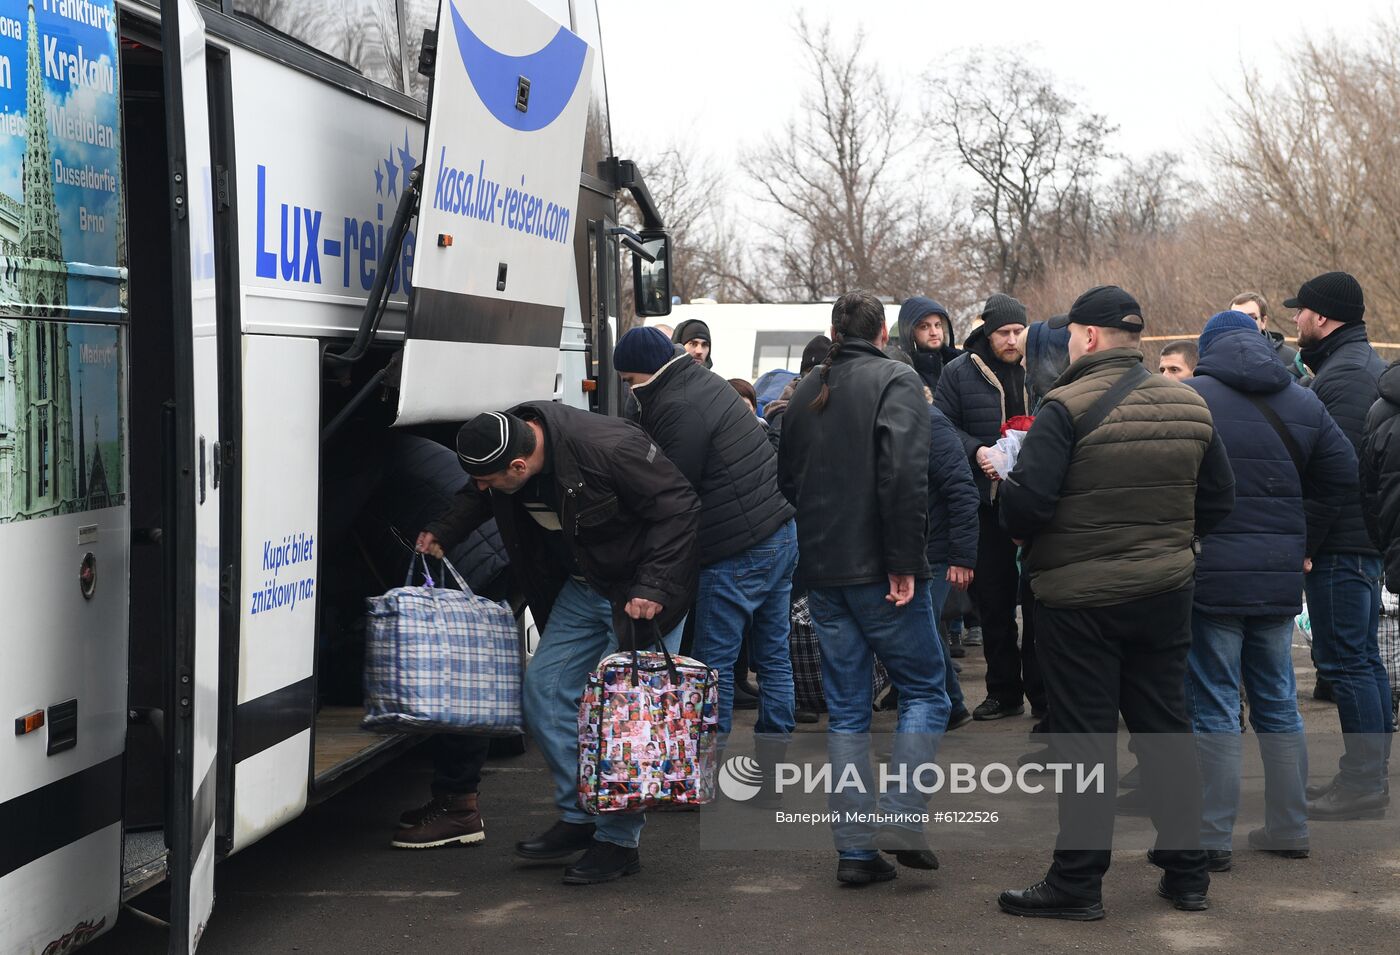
{"x": 388, "y": 262}
{"x": 623, "y": 174}
{"x": 633, "y": 242}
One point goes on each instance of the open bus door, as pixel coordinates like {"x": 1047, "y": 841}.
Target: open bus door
{"x": 193, "y": 445}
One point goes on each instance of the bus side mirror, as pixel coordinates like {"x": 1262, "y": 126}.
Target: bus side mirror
{"x": 651, "y": 275}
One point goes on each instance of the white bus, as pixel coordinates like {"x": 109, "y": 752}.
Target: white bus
{"x": 247, "y": 285}
{"x": 752, "y": 339}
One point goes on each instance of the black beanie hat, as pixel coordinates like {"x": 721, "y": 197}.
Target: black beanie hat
{"x": 1334, "y": 295}
{"x": 814, "y": 354}
{"x": 1001, "y": 309}
{"x": 490, "y": 441}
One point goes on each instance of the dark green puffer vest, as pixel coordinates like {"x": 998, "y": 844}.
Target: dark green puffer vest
{"x": 1127, "y": 511}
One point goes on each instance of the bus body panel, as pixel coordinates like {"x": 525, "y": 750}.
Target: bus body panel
{"x": 196, "y": 488}
{"x": 66, "y": 898}
{"x": 499, "y": 210}
{"x": 319, "y": 173}
{"x": 279, "y": 459}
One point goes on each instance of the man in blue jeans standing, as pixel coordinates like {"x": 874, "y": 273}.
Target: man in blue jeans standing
{"x": 1343, "y": 587}
{"x": 1286, "y": 451}
{"x": 600, "y": 530}
{"x": 854, "y": 459}
{"x": 747, "y": 539}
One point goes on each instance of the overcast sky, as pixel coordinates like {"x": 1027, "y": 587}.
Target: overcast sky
{"x": 719, "y": 74}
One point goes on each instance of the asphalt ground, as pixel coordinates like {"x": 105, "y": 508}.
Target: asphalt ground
{"x": 329, "y": 883}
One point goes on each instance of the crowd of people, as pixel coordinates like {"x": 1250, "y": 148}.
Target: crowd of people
{"x": 1141, "y": 551}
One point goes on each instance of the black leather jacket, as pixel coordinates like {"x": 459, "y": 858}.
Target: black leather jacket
{"x": 857, "y": 471}
{"x": 629, "y": 517}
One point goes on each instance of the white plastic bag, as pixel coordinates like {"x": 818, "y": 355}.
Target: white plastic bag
{"x": 1006, "y": 450}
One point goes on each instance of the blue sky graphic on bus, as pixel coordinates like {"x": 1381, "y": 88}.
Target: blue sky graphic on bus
{"x": 60, "y": 159}
{"x": 553, "y": 73}
{"x": 309, "y": 246}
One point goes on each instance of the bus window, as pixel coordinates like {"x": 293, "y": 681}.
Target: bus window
{"x": 361, "y": 33}
{"x": 597, "y": 142}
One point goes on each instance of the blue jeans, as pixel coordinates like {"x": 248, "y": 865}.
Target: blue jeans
{"x": 940, "y": 588}
{"x": 1344, "y": 602}
{"x": 854, "y": 624}
{"x": 750, "y": 592}
{"x": 1225, "y": 649}
{"x": 578, "y": 635}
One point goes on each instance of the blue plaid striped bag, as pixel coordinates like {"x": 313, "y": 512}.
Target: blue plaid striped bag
{"x": 440, "y": 660}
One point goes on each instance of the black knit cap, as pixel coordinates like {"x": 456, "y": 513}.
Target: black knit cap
{"x": 1106, "y": 306}
{"x": 1001, "y": 310}
{"x": 490, "y": 441}
{"x": 1334, "y": 295}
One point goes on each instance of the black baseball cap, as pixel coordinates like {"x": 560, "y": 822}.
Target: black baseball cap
{"x": 1107, "y": 306}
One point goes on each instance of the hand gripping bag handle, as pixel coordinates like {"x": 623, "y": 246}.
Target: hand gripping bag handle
{"x": 659, "y": 640}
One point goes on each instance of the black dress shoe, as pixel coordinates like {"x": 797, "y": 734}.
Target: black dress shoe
{"x": 993, "y": 709}
{"x": 561, "y": 840}
{"x": 1340, "y": 803}
{"x": 865, "y": 871}
{"x": 603, "y": 862}
{"x": 1186, "y": 901}
{"x": 743, "y": 699}
{"x": 1044, "y": 901}
{"x": 1217, "y": 860}
{"x": 806, "y": 716}
{"x": 1284, "y": 848}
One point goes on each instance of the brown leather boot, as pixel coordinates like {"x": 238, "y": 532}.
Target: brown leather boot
{"x": 453, "y": 820}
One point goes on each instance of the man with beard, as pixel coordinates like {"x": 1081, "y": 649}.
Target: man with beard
{"x": 926, "y": 336}
{"x": 1343, "y": 587}
{"x": 978, "y": 392}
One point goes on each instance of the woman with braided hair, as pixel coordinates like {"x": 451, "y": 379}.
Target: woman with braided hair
{"x": 854, "y": 461}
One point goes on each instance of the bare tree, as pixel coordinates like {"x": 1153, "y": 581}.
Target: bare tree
{"x": 840, "y": 192}
{"x": 1034, "y": 156}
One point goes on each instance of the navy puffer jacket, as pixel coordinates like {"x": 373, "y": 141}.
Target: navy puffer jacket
{"x": 952, "y": 497}
{"x": 971, "y": 395}
{"x": 1251, "y": 564}
{"x": 1347, "y": 370}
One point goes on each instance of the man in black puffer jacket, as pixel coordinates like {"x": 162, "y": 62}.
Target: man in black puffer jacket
{"x": 1380, "y": 474}
{"x": 747, "y": 538}
{"x": 1343, "y": 587}
{"x": 978, "y": 392}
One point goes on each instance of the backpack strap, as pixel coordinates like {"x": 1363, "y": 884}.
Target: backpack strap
{"x": 1289, "y": 442}
{"x": 1109, "y": 400}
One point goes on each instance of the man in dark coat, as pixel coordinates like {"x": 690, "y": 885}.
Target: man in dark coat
{"x": 600, "y": 529}
{"x": 854, "y": 460}
{"x": 978, "y": 392}
{"x": 694, "y": 336}
{"x": 1380, "y": 475}
{"x": 1256, "y": 306}
{"x": 1285, "y": 449}
{"x": 747, "y": 538}
{"x": 1343, "y": 587}
{"x": 926, "y": 336}
{"x": 1120, "y": 472}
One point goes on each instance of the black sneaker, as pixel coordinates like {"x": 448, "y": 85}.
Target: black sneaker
{"x": 993, "y": 709}
{"x": 603, "y": 862}
{"x": 1283, "y": 848}
{"x": 958, "y": 718}
{"x": 1185, "y": 901}
{"x": 865, "y": 871}
{"x": 560, "y": 841}
{"x": 1340, "y": 804}
{"x": 1044, "y": 901}
{"x": 909, "y": 847}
